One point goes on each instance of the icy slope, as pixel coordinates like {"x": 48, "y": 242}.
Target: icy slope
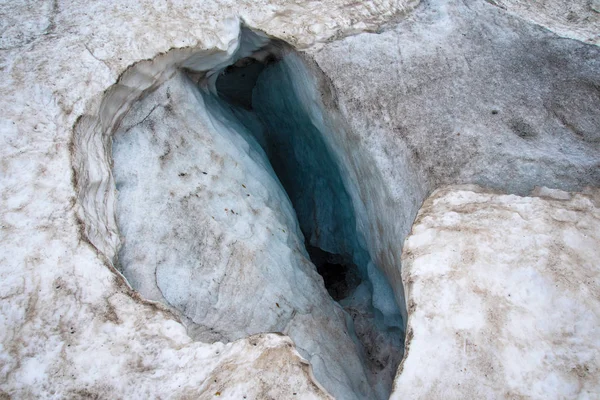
{"x": 208, "y": 229}
{"x": 463, "y": 92}
{"x": 70, "y": 326}
{"x": 504, "y": 296}
{"x": 573, "y": 19}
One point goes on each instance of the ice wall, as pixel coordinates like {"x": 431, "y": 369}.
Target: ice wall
{"x": 209, "y": 231}
{"x": 280, "y": 104}
{"x": 204, "y": 226}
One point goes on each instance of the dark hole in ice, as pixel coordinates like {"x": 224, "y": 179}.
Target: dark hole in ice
{"x": 241, "y": 79}
{"x": 303, "y": 164}
{"x": 340, "y": 275}
{"x": 267, "y": 95}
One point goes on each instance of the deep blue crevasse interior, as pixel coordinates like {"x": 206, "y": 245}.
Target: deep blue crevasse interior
{"x": 272, "y": 100}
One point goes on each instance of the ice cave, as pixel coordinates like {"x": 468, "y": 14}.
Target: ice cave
{"x": 264, "y": 113}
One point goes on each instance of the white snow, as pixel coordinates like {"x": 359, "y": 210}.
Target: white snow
{"x": 503, "y": 297}
{"x": 70, "y": 326}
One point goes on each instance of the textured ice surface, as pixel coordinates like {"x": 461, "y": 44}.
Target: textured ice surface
{"x": 443, "y": 73}
{"x": 208, "y": 229}
{"x": 572, "y": 19}
{"x": 504, "y": 296}
{"x": 294, "y": 131}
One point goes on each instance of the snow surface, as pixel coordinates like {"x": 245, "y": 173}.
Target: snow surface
{"x": 573, "y": 19}
{"x": 70, "y": 325}
{"x": 504, "y": 296}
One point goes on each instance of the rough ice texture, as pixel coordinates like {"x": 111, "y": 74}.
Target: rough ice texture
{"x": 462, "y": 92}
{"x": 572, "y": 19}
{"x": 209, "y": 230}
{"x": 504, "y": 296}
{"x": 71, "y": 326}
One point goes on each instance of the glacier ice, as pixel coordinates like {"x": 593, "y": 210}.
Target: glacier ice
{"x": 454, "y": 84}
{"x": 225, "y": 177}
{"x": 297, "y": 142}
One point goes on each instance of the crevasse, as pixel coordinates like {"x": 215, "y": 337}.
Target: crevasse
{"x": 277, "y": 101}
{"x": 236, "y": 185}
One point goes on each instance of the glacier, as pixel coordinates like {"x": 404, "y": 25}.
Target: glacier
{"x": 238, "y": 163}
{"x": 491, "y": 92}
